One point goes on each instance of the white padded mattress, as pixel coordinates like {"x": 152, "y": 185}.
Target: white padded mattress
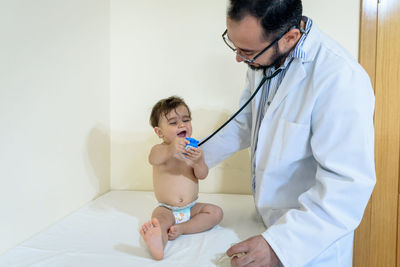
{"x": 106, "y": 233}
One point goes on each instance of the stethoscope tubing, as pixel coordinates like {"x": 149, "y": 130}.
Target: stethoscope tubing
{"x": 243, "y": 106}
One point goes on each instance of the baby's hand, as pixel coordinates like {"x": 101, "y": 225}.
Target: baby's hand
{"x": 194, "y": 154}
{"x": 178, "y": 146}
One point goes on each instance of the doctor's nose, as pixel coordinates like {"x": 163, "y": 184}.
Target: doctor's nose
{"x": 239, "y": 58}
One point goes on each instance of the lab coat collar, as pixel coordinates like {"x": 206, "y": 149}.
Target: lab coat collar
{"x": 296, "y": 73}
{"x": 293, "y": 77}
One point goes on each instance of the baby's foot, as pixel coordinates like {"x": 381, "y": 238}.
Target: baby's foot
{"x": 151, "y": 233}
{"x": 175, "y": 231}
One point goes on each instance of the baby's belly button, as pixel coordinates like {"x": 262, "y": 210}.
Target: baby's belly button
{"x": 182, "y": 201}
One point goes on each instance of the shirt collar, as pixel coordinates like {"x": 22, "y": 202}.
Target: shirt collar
{"x": 298, "y": 51}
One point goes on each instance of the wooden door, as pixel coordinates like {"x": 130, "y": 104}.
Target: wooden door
{"x": 376, "y": 240}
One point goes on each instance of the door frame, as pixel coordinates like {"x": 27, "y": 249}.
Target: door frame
{"x": 376, "y": 238}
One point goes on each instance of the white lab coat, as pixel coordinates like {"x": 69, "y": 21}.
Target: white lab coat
{"x": 315, "y": 154}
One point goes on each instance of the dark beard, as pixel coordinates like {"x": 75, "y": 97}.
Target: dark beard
{"x": 276, "y": 60}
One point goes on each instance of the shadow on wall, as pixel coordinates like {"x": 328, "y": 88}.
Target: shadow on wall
{"x": 122, "y": 164}
{"x": 231, "y": 176}
{"x": 130, "y": 169}
{"x": 98, "y": 149}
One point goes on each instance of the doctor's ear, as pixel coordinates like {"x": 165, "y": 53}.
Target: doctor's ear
{"x": 290, "y": 39}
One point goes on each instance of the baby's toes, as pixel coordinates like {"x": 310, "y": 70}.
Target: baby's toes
{"x": 171, "y": 233}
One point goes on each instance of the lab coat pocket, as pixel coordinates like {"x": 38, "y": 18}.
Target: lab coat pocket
{"x": 294, "y": 143}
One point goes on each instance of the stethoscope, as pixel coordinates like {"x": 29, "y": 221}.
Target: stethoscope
{"x": 264, "y": 79}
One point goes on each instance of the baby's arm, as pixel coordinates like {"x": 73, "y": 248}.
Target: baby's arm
{"x": 160, "y": 153}
{"x": 200, "y": 169}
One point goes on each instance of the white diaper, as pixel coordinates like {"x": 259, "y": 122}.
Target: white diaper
{"x": 181, "y": 214}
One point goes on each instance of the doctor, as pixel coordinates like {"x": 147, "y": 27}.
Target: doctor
{"x": 310, "y": 133}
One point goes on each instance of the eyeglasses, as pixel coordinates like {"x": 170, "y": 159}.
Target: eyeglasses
{"x": 230, "y": 44}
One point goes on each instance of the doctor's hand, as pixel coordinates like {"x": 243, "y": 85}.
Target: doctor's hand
{"x": 257, "y": 253}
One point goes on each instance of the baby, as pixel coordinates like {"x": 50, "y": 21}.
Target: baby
{"x": 176, "y": 175}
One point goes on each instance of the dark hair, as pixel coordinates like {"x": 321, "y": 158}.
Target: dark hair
{"x": 276, "y": 16}
{"x": 164, "y": 106}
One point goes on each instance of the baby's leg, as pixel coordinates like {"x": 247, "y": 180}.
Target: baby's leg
{"x": 202, "y": 217}
{"x": 154, "y": 232}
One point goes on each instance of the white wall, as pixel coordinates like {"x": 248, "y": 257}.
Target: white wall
{"x": 67, "y": 68}
{"x": 162, "y": 48}
{"x": 54, "y": 111}
{"x": 340, "y": 19}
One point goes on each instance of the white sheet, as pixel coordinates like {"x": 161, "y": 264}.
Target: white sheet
{"x": 106, "y": 233}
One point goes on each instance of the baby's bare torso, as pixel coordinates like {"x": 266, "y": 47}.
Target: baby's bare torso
{"x": 174, "y": 183}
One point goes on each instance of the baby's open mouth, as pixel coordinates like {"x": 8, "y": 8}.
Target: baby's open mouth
{"x": 182, "y": 134}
